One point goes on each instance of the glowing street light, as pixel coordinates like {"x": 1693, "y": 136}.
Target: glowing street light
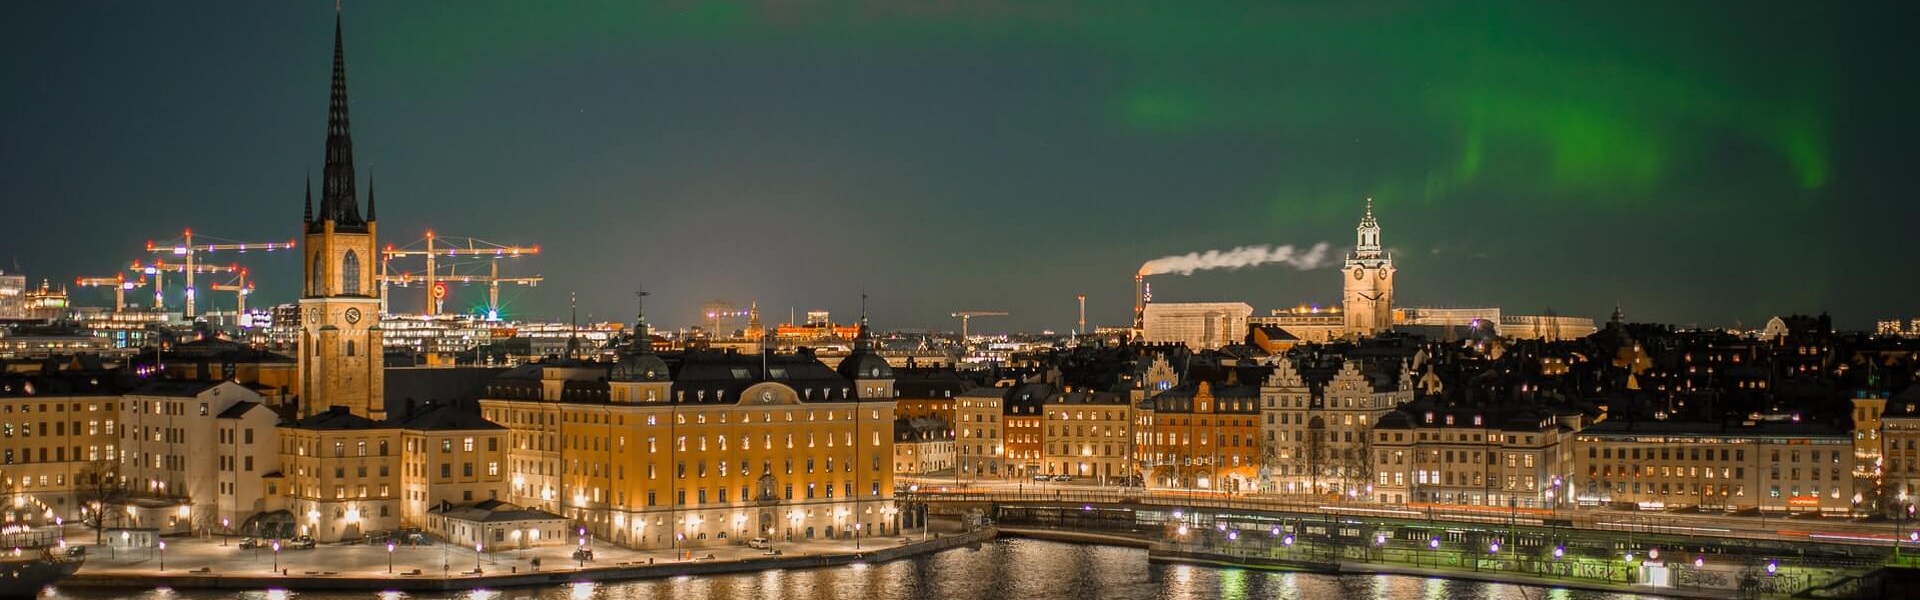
{"x": 389, "y": 556}
{"x": 1699, "y": 561}
{"x": 1773, "y": 567}
{"x": 276, "y": 555}
{"x": 1559, "y": 552}
{"x": 163, "y": 556}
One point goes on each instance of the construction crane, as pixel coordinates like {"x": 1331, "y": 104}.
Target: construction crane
{"x": 120, "y": 286}
{"x": 186, "y": 249}
{"x": 241, "y": 289}
{"x": 158, "y": 270}
{"x": 433, "y": 248}
{"x": 966, "y": 319}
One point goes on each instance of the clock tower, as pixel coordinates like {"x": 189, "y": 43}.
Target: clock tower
{"x": 1368, "y": 301}
{"x": 340, "y": 338}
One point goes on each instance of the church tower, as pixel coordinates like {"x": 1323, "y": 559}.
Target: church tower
{"x": 340, "y": 338}
{"x": 1368, "y": 301}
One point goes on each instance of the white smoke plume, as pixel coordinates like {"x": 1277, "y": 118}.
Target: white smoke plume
{"x": 1240, "y": 258}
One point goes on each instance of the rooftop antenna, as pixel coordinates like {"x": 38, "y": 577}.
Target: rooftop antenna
{"x": 640, "y": 334}
{"x": 573, "y": 337}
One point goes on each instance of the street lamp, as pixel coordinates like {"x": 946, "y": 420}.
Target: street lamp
{"x": 226, "y": 526}
{"x": 163, "y": 556}
{"x": 276, "y": 556}
{"x": 477, "y": 548}
{"x": 389, "y": 556}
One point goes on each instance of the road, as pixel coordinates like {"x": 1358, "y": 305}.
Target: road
{"x": 1829, "y": 530}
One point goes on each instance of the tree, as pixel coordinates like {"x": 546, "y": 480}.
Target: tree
{"x": 1359, "y": 463}
{"x": 102, "y": 494}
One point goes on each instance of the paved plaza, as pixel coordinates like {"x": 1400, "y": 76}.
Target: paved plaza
{"x": 218, "y": 556}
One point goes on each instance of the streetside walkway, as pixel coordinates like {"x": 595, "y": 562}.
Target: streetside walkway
{"x": 195, "y": 562}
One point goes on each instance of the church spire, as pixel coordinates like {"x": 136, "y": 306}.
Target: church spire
{"x": 308, "y": 215}
{"x": 642, "y": 336}
{"x": 370, "y": 211}
{"x": 337, "y": 197}
{"x": 863, "y": 338}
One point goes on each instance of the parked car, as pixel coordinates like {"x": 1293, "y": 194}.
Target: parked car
{"x": 1041, "y": 477}
{"x": 250, "y": 543}
{"x": 304, "y": 542}
{"x": 76, "y": 551}
{"x": 582, "y": 554}
{"x": 1063, "y": 477}
{"x": 759, "y": 542}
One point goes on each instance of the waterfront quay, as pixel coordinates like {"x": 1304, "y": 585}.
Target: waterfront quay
{"x": 1667, "y": 557}
{"x": 220, "y": 563}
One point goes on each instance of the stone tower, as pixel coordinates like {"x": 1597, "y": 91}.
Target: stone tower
{"x": 1368, "y": 301}
{"x": 340, "y": 338}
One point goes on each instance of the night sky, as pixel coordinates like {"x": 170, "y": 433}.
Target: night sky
{"x": 1696, "y": 162}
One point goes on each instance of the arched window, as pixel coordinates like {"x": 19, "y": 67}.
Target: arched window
{"x": 318, "y": 286}
{"x": 350, "y": 274}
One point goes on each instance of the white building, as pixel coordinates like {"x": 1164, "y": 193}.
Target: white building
{"x": 1199, "y": 325}
{"x": 206, "y": 444}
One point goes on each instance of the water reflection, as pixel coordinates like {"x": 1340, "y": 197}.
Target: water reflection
{"x": 1004, "y": 569}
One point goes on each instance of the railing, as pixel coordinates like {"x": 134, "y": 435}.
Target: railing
{"x": 1651, "y": 525}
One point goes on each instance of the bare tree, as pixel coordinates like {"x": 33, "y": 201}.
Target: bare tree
{"x": 102, "y": 495}
{"x": 1310, "y": 454}
{"x": 1359, "y": 463}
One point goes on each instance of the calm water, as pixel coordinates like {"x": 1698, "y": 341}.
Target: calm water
{"x": 1010, "y": 569}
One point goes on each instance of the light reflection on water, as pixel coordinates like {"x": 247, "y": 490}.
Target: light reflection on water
{"x": 1003, "y": 569}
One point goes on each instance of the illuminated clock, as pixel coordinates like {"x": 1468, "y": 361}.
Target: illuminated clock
{"x": 1359, "y": 274}
{"x": 353, "y": 315}
{"x": 1383, "y": 273}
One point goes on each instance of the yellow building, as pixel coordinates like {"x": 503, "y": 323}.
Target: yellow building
{"x": 1086, "y": 436}
{"x": 58, "y": 433}
{"x": 979, "y": 432}
{"x": 715, "y": 448}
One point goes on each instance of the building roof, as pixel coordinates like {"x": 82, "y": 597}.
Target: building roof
{"x": 239, "y": 409}
{"x": 337, "y": 418}
{"x": 442, "y": 417}
{"x": 492, "y": 511}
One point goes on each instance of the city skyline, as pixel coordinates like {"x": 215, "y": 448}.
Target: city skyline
{"x": 1529, "y": 194}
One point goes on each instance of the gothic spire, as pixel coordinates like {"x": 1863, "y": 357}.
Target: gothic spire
{"x": 337, "y": 197}
{"x": 308, "y": 218}
{"x": 370, "y": 212}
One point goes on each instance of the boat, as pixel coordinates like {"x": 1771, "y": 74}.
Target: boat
{"x": 24, "y": 572}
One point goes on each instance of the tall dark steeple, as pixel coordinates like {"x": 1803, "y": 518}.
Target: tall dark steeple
{"x": 308, "y": 218}
{"x": 338, "y": 202}
{"x": 370, "y": 209}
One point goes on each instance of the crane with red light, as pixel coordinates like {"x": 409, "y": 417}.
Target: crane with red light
{"x": 119, "y": 284}
{"x": 434, "y": 249}
{"x": 187, "y": 249}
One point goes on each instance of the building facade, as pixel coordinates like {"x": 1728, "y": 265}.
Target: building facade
{"x": 1368, "y": 298}
{"x": 1199, "y": 325}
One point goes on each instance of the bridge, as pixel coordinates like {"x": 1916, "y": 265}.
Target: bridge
{"x": 1703, "y": 555}
{"x": 1850, "y": 537}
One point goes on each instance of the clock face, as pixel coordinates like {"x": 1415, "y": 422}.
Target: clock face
{"x": 353, "y": 315}
{"x": 1383, "y": 273}
{"x": 313, "y": 316}
{"x": 1359, "y": 274}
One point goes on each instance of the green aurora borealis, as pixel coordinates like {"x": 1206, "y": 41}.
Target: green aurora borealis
{"x": 1697, "y": 162}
